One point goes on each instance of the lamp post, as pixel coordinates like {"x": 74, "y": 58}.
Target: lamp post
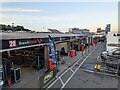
{"x": 12, "y": 26}
{"x": 43, "y": 29}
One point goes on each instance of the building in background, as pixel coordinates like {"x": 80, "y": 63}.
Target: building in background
{"x": 100, "y": 33}
{"x": 85, "y": 32}
{"x": 55, "y": 31}
{"x": 78, "y": 31}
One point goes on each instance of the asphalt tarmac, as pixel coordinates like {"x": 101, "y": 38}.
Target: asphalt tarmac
{"x": 76, "y": 77}
{"x": 82, "y": 79}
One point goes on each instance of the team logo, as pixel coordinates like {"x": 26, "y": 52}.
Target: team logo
{"x": 12, "y": 43}
{"x": 39, "y": 40}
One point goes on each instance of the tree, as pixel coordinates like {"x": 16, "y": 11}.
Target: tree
{"x": 19, "y": 28}
{"x": 9, "y": 27}
{"x": 4, "y": 27}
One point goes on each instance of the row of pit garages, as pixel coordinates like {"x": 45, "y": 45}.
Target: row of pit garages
{"x": 19, "y": 63}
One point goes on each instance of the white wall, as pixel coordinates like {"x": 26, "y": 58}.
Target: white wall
{"x": 60, "y": 45}
{"x": 112, "y": 40}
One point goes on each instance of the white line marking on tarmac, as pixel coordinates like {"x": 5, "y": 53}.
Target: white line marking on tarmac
{"x": 87, "y": 70}
{"x": 62, "y": 81}
{"x": 106, "y": 74}
{"x": 71, "y": 70}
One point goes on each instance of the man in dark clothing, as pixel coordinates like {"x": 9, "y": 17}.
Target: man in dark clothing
{"x": 62, "y": 51}
{"x": 8, "y": 71}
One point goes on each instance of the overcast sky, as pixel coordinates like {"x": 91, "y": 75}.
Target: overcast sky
{"x": 60, "y": 15}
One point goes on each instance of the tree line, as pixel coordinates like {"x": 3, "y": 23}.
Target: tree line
{"x": 15, "y": 28}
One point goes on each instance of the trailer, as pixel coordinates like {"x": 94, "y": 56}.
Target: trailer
{"x": 113, "y": 40}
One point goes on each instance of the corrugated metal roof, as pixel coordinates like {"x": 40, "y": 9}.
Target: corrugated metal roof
{"x": 55, "y": 31}
{"x": 25, "y": 35}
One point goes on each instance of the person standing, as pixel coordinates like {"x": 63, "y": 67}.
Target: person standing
{"x": 8, "y": 71}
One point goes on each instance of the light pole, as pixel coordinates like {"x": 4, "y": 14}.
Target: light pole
{"x": 43, "y": 29}
{"x": 12, "y": 26}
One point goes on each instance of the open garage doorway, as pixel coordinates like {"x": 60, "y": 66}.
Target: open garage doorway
{"x": 21, "y": 64}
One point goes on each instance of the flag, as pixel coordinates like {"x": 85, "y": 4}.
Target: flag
{"x": 107, "y": 28}
{"x": 52, "y": 49}
{"x": 98, "y": 29}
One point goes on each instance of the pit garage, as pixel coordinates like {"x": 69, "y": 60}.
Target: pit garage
{"x": 20, "y": 64}
{"x": 25, "y": 58}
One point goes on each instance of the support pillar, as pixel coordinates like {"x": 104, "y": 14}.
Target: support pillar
{"x": 79, "y": 42}
{"x": 46, "y": 51}
{"x": 69, "y": 46}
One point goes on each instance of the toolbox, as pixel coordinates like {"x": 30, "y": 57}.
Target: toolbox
{"x": 15, "y": 74}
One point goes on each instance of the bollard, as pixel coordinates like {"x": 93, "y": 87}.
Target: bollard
{"x": 97, "y": 67}
{"x": 72, "y": 53}
{"x": 51, "y": 65}
{"x": 82, "y": 48}
{"x": 9, "y": 82}
{"x": 93, "y": 43}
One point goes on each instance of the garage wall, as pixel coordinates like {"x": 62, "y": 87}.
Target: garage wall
{"x": 60, "y": 45}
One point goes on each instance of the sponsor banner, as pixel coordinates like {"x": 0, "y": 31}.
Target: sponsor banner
{"x": 14, "y": 43}
{"x": 7, "y": 44}
{"x": 49, "y": 75}
{"x": 29, "y": 42}
{"x": 46, "y": 78}
{"x": 52, "y": 49}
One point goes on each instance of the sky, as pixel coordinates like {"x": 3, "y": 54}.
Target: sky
{"x": 39, "y": 16}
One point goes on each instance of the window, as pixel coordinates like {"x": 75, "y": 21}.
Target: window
{"x": 116, "y": 52}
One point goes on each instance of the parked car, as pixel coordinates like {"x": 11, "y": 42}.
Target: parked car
{"x": 114, "y": 53}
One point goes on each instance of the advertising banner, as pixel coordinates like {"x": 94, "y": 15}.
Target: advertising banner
{"x": 52, "y": 49}
{"x": 14, "y": 43}
{"x": 46, "y": 78}
{"x": 107, "y": 28}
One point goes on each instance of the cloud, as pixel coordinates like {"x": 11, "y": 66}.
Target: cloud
{"x": 60, "y": 0}
{"x": 8, "y": 18}
{"x": 19, "y": 10}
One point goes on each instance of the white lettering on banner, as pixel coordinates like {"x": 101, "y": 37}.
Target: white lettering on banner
{"x": 30, "y": 42}
{"x": 39, "y": 40}
{"x": 23, "y": 43}
{"x": 12, "y": 43}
